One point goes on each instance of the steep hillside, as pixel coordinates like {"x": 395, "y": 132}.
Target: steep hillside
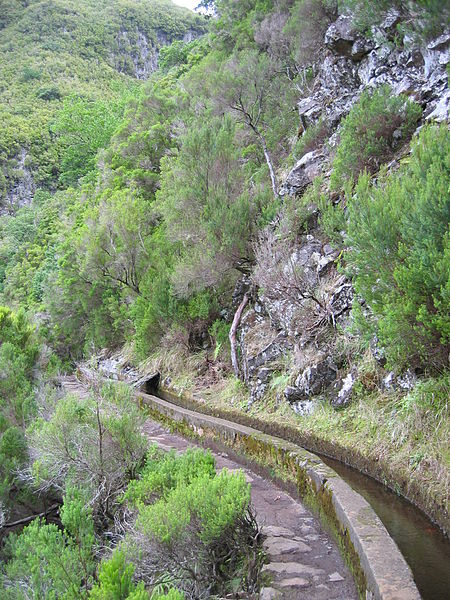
{"x": 76, "y": 57}
{"x": 264, "y": 220}
{"x": 267, "y": 223}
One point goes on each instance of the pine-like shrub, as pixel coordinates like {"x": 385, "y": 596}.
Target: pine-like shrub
{"x": 398, "y": 234}
{"x": 194, "y": 526}
{"x": 165, "y": 471}
{"x": 371, "y": 132}
{"x": 52, "y": 562}
{"x": 204, "y": 510}
{"x": 115, "y": 580}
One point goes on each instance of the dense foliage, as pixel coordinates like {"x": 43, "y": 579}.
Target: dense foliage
{"x": 195, "y": 526}
{"x": 18, "y": 356}
{"x": 375, "y": 127}
{"x": 67, "y": 69}
{"x": 50, "y": 562}
{"x": 398, "y": 233}
{"x": 154, "y": 237}
{"x": 128, "y": 212}
{"x": 185, "y": 520}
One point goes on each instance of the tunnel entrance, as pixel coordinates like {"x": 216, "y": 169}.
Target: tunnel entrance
{"x": 151, "y": 384}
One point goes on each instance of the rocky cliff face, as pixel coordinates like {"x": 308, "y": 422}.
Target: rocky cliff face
{"x": 20, "y": 187}
{"x": 137, "y": 53}
{"x": 301, "y": 312}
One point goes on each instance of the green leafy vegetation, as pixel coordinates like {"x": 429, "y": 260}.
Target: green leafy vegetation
{"x": 186, "y": 519}
{"x": 370, "y": 132}
{"x": 115, "y": 581}
{"x": 74, "y": 63}
{"x": 95, "y": 442}
{"x": 18, "y": 356}
{"x": 399, "y": 239}
{"x": 129, "y": 212}
{"x": 421, "y": 18}
{"x": 195, "y": 526}
{"x": 48, "y": 560}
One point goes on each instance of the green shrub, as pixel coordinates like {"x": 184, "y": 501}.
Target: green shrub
{"x": 309, "y": 19}
{"x": 49, "y": 93}
{"x": 219, "y": 331}
{"x": 398, "y": 234}
{"x": 45, "y": 557}
{"x": 95, "y": 441}
{"x": 18, "y": 356}
{"x": 215, "y": 504}
{"x": 206, "y": 210}
{"x": 165, "y": 471}
{"x": 115, "y": 580}
{"x": 311, "y": 139}
{"x": 30, "y": 74}
{"x": 171, "y": 595}
{"x": 84, "y": 127}
{"x": 367, "y": 133}
{"x": 195, "y": 526}
{"x": 422, "y": 18}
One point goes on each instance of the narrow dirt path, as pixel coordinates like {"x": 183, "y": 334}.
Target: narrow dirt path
{"x": 304, "y": 562}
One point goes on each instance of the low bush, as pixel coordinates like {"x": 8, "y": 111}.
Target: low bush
{"x": 421, "y": 19}
{"x": 399, "y": 240}
{"x": 96, "y": 441}
{"x": 371, "y": 132}
{"x": 18, "y": 357}
{"x": 197, "y": 527}
{"x": 46, "y": 557}
{"x": 115, "y": 581}
{"x": 165, "y": 471}
{"x": 313, "y": 137}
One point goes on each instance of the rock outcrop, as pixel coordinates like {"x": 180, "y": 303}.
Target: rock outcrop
{"x": 282, "y": 327}
{"x": 352, "y": 63}
{"x": 20, "y": 184}
{"x": 137, "y": 53}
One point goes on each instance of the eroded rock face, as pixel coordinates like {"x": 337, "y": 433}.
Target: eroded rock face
{"x": 341, "y": 299}
{"x": 404, "y": 381}
{"x": 343, "y": 390}
{"x": 354, "y": 63}
{"x": 20, "y": 187}
{"x": 276, "y": 324}
{"x": 338, "y": 87}
{"x": 441, "y": 111}
{"x": 137, "y": 54}
{"x": 316, "y": 378}
{"x": 342, "y": 38}
{"x": 279, "y": 323}
{"x": 303, "y": 173}
{"x": 304, "y": 407}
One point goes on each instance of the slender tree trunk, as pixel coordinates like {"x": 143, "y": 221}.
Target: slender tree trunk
{"x": 232, "y": 335}
{"x": 31, "y": 517}
{"x": 262, "y": 139}
{"x": 273, "y": 178}
{"x": 252, "y": 123}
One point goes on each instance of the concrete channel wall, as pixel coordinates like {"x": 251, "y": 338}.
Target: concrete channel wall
{"x": 380, "y": 571}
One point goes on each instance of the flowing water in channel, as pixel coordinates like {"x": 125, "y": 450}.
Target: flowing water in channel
{"x": 425, "y": 548}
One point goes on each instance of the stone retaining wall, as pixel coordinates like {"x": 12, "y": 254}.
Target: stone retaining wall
{"x": 380, "y": 571}
{"x": 379, "y": 468}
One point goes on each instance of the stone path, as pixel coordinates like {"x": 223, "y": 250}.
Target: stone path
{"x": 303, "y": 562}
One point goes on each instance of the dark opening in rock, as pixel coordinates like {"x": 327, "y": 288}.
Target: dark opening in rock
{"x": 151, "y": 385}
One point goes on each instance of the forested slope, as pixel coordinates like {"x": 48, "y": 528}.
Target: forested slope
{"x": 289, "y": 169}
{"x": 68, "y": 66}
